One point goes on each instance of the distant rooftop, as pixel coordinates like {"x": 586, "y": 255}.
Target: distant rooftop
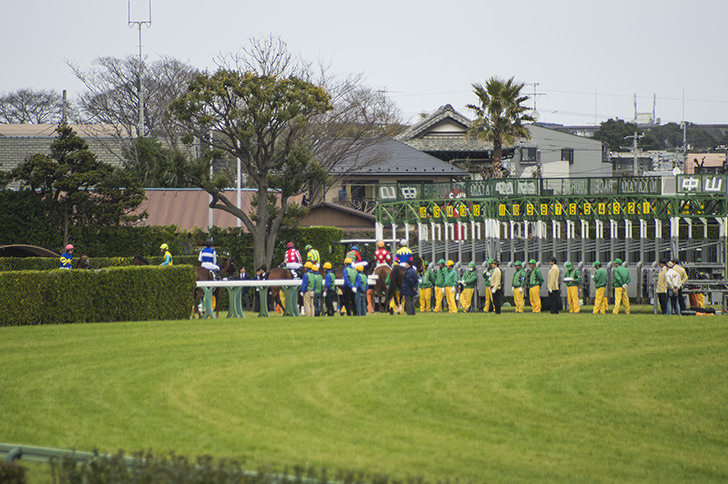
{"x": 49, "y": 130}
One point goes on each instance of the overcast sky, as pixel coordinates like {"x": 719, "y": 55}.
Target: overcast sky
{"x": 588, "y": 58}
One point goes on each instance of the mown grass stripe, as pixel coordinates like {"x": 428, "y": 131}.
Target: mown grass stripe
{"x": 515, "y": 398}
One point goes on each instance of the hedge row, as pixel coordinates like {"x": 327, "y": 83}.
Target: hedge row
{"x": 12, "y": 473}
{"x": 49, "y": 263}
{"x": 126, "y": 242}
{"x": 135, "y": 293}
{"x": 146, "y": 467}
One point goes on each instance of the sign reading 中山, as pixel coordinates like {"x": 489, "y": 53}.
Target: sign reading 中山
{"x": 702, "y": 184}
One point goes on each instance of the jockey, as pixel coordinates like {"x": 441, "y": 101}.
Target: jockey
{"x": 67, "y": 257}
{"x": 312, "y": 255}
{"x": 292, "y": 259}
{"x": 381, "y": 255}
{"x": 355, "y": 257}
{"x": 208, "y": 258}
{"x": 167, "y": 255}
{"x": 404, "y": 254}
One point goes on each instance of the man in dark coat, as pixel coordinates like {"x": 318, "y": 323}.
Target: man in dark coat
{"x": 410, "y": 283}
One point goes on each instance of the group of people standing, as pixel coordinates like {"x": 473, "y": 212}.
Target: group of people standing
{"x": 670, "y": 281}
{"x": 437, "y": 287}
{"x": 526, "y": 284}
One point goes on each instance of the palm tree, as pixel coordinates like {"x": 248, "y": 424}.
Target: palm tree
{"x": 499, "y": 117}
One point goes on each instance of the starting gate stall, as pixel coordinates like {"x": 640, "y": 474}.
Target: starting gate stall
{"x": 639, "y": 220}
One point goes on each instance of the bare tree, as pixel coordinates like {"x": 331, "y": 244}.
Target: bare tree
{"x": 112, "y": 95}
{"x": 30, "y": 106}
{"x": 360, "y": 116}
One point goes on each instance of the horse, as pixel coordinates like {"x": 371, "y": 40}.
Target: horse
{"x": 226, "y": 268}
{"x": 139, "y": 260}
{"x": 83, "y": 262}
{"x": 278, "y": 274}
{"x": 395, "y": 282}
{"x": 380, "y": 287}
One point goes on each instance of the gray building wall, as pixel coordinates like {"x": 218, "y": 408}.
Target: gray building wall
{"x": 549, "y": 143}
{"x": 15, "y": 150}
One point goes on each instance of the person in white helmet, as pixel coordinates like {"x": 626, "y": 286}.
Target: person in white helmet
{"x": 404, "y": 253}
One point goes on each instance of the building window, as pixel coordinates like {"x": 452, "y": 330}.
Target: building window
{"x": 529, "y": 155}
{"x": 567, "y": 154}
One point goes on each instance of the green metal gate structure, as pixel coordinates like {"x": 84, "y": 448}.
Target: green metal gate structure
{"x": 638, "y": 220}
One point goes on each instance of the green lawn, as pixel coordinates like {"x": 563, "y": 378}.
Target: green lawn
{"x": 479, "y": 397}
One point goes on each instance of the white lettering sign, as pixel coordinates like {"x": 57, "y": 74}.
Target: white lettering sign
{"x": 504, "y": 188}
{"x": 714, "y": 184}
{"x": 387, "y": 193}
{"x": 527, "y": 188}
{"x": 408, "y": 193}
{"x": 690, "y": 184}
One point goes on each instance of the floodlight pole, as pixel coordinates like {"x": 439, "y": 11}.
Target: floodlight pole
{"x": 139, "y": 23}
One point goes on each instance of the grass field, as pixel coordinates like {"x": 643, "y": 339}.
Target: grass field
{"x": 474, "y": 397}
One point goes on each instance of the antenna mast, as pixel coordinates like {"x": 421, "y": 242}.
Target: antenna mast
{"x": 139, "y": 23}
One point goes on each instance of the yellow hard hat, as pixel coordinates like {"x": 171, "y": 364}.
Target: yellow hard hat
{"x": 347, "y": 260}
{"x": 308, "y": 265}
{"x": 360, "y": 268}
{"x": 327, "y": 265}
{"x": 450, "y": 263}
{"x": 314, "y": 267}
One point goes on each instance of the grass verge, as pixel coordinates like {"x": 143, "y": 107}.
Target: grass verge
{"x": 475, "y": 397}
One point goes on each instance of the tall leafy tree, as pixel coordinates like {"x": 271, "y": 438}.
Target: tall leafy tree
{"x": 261, "y": 119}
{"x": 84, "y": 190}
{"x": 614, "y": 132}
{"x": 500, "y": 117}
{"x": 154, "y": 163}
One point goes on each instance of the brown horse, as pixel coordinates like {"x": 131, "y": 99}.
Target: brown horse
{"x": 83, "y": 262}
{"x": 395, "y": 281}
{"x": 226, "y": 268}
{"x": 139, "y": 260}
{"x": 278, "y": 274}
{"x": 380, "y": 287}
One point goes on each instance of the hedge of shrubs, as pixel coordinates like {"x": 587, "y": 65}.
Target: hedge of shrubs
{"x": 135, "y": 293}
{"x": 145, "y": 467}
{"x": 50, "y": 263}
{"x": 12, "y": 473}
{"x": 126, "y": 242}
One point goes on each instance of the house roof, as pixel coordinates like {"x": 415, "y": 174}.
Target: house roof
{"x": 444, "y": 130}
{"x": 49, "y": 130}
{"x": 394, "y": 158}
{"x": 189, "y": 208}
{"x": 340, "y": 208}
{"x": 335, "y": 215}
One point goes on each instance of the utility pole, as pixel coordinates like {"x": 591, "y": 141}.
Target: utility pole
{"x": 634, "y": 138}
{"x": 535, "y": 94}
{"x": 64, "y": 109}
{"x": 139, "y": 23}
{"x": 684, "y": 130}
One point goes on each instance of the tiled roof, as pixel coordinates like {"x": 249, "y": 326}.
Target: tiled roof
{"x": 425, "y": 136}
{"x": 189, "y": 208}
{"x": 343, "y": 209}
{"x": 49, "y": 130}
{"x": 391, "y": 157}
{"x": 424, "y": 126}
